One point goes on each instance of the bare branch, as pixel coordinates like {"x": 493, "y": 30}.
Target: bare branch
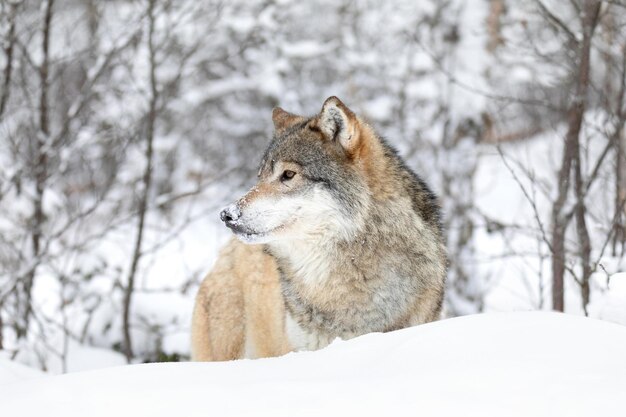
{"x": 555, "y": 20}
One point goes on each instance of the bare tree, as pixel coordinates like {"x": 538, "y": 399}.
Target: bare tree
{"x": 151, "y": 119}
{"x": 40, "y": 169}
{"x": 573, "y": 251}
{"x": 9, "y": 49}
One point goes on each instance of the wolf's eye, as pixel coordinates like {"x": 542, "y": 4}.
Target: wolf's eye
{"x": 287, "y": 175}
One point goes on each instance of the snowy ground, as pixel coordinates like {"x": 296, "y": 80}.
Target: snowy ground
{"x": 11, "y": 371}
{"x": 506, "y": 364}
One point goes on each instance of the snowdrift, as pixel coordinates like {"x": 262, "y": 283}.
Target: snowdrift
{"x": 510, "y": 364}
{"x": 11, "y": 371}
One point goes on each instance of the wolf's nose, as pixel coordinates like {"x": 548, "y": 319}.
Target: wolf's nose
{"x": 230, "y": 214}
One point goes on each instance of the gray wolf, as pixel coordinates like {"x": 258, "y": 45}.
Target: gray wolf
{"x": 337, "y": 239}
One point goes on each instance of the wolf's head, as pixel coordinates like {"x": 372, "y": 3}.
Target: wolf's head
{"x": 311, "y": 179}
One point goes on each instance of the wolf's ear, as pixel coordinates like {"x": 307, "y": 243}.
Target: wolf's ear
{"x": 283, "y": 120}
{"x": 339, "y": 124}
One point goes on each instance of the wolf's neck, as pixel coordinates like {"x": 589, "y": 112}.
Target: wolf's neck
{"x": 310, "y": 261}
{"x": 330, "y": 256}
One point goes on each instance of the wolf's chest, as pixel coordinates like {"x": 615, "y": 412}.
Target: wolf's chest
{"x": 301, "y": 338}
{"x": 338, "y": 308}
{"x": 330, "y": 292}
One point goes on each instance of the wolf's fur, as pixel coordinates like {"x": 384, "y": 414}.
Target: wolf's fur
{"x": 343, "y": 239}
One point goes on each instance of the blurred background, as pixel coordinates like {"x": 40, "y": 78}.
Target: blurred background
{"x": 126, "y": 124}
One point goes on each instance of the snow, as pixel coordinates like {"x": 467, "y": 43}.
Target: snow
{"x": 513, "y": 364}
{"x": 610, "y": 304}
{"x": 11, "y": 371}
{"x": 307, "y": 49}
{"x": 522, "y": 281}
{"x": 83, "y": 358}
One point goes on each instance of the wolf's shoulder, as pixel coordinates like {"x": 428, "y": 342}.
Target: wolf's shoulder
{"x": 424, "y": 199}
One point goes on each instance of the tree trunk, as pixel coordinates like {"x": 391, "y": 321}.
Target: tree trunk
{"x": 582, "y": 230}
{"x": 575, "y": 114}
{"x": 8, "y": 56}
{"x": 147, "y": 182}
{"x": 494, "y": 24}
{"x": 40, "y": 170}
{"x": 619, "y": 140}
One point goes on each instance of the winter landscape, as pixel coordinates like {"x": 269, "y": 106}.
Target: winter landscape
{"x": 126, "y": 125}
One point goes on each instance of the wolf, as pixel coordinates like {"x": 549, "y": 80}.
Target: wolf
{"x": 338, "y": 238}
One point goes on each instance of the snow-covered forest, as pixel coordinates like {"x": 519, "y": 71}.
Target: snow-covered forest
{"x": 126, "y": 124}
